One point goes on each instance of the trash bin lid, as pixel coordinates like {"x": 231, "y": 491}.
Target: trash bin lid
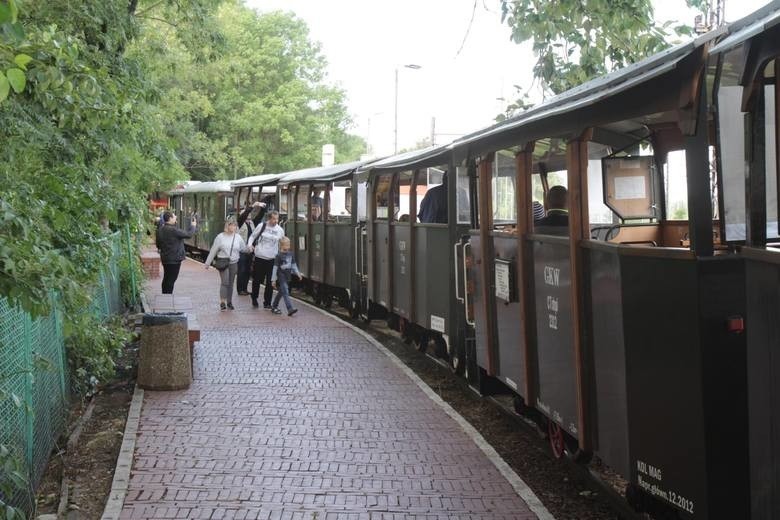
{"x": 163, "y": 318}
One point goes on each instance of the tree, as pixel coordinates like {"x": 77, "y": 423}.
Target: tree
{"x": 575, "y": 41}
{"x": 260, "y": 104}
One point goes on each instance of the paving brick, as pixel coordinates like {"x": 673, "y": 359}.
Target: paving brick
{"x": 301, "y": 418}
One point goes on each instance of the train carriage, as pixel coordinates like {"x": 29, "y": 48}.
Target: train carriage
{"x": 643, "y": 328}
{"x": 257, "y": 188}
{"x": 623, "y": 332}
{"x": 410, "y": 271}
{"x": 322, "y": 227}
{"x": 747, "y": 107}
{"x": 203, "y": 206}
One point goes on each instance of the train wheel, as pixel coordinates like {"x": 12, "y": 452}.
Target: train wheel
{"x": 457, "y": 364}
{"x": 393, "y": 322}
{"x": 634, "y": 498}
{"x": 406, "y": 331}
{"x": 518, "y": 403}
{"x": 422, "y": 342}
{"x": 557, "y": 442}
{"x": 439, "y": 346}
{"x": 327, "y": 300}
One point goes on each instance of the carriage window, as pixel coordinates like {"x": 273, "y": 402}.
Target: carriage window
{"x": 402, "y": 195}
{"x": 537, "y": 189}
{"x": 676, "y": 186}
{"x": 464, "y": 204}
{"x": 432, "y": 196}
{"x": 229, "y": 206}
{"x": 503, "y": 186}
{"x": 771, "y": 162}
{"x": 302, "y": 204}
{"x": 317, "y": 206}
{"x": 283, "y": 194}
{"x": 731, "y": 147}
{"x": 203, "y": 207}
{"x": 628, "y": 186}
{"x": 362, "y": 193}
{"x": 598, "y": 212}
{"x": 382, "y": 197}
{"x": 340, "y": 202}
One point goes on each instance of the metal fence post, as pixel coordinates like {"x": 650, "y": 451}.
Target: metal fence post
{"x": 28, "y": 395}
{"x": 61, "y": 347}
{"x": 130, "y": 264}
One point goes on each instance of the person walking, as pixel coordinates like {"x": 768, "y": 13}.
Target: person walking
{"x": 284, "y": 268}
{"x": 170, "y": 244}
{"x": 265, "y": 241}
{"x": 248, "y": 221}
{"x": 225, "y": 252}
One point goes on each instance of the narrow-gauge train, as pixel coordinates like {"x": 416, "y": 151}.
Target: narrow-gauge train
{"x": 646, "y": 328}
{"x": 203, "y": 206}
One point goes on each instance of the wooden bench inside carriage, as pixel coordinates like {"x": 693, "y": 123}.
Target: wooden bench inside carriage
{"x": 670, "y": 233}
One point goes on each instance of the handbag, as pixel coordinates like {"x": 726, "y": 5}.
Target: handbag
{"x": 219, "y": 263}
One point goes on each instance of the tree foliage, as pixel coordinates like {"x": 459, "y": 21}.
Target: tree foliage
{"x": 79, "y": 143}
{"x": 575, "y": 40}
{"x": 259, "y": 104}
{"x": 105, "y": 101}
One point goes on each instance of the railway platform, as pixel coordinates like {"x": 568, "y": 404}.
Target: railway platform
{"x": 305, "y": 417}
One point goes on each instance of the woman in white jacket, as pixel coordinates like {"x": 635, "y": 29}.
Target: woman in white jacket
{"x": 227, "y": 246}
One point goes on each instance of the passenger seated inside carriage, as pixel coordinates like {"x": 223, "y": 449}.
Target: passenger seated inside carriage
{"x": 316, "y": 209}
{"x": 556, "y": 222}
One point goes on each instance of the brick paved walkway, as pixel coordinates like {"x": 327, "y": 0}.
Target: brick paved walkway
{"x": 302, "y": 418}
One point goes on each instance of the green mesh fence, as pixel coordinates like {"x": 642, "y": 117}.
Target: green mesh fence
{"x": 34, "y": 375}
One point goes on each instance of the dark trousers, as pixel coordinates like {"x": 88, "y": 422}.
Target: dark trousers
{"x": 244, "y": 270}
{"x": 170, "y": 274}
{"x": 261, "y": 273}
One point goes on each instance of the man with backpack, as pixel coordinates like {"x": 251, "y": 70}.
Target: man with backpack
{"x": 248, "y": 221}
{"x": 265, "y": 240}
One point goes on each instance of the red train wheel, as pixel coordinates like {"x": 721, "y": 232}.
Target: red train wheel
{"x": 557, "y": 442}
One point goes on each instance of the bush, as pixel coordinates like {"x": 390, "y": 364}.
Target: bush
{"x": 93, "y": 346}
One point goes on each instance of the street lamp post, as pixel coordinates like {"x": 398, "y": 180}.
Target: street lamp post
{"x": 395, "y": 140}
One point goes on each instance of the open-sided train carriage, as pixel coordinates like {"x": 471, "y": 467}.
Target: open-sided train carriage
{"x": 625, "y": 332}
{"x": 410, "y": 268}
{"x": 324, "y": 218}
{"x": 257, "y": 188}
{"x": 203, "y": 206}
{"x": 645, "y": 329}
{"x": 747, "y": 107}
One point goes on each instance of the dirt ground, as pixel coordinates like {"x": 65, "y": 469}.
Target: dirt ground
{"x": 89, "y": 468}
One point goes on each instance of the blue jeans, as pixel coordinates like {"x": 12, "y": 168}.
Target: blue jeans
{"x": 283, "y": 292}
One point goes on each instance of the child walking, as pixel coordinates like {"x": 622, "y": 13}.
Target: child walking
{"x": 284, "y": 268}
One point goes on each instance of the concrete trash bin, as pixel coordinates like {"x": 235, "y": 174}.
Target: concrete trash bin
{"x": 164, "y": 362}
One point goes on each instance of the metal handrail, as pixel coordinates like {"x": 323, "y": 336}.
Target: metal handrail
{"x": 466, "y": 291}
{"x": 457, "y": 271}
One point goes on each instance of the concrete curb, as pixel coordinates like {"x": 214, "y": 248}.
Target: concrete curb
{"x": 520, "y": 487}
{"x": 124, "y": 463}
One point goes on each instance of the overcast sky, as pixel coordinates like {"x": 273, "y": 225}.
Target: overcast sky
{"x": 365, "y": 41}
